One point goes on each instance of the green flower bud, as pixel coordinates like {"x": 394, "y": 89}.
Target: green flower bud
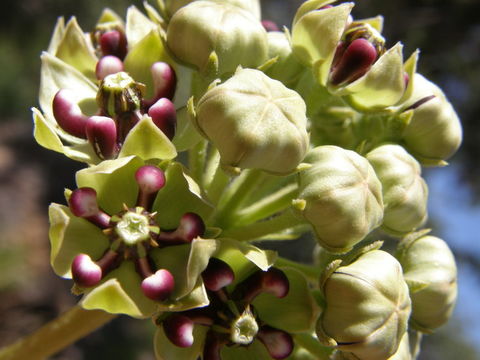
{"x": 341, "y": 197}
{"x": 404, "y": 191}
{"x": 434, "y": 132}
{"x": 430, "y": 270}
{"x": 367, "y": 307}
{"x": 287, "y": 69}
{"x": 255, "y": 122}
{"x": 217, "y": 35}
{"x": 252, "y": 6}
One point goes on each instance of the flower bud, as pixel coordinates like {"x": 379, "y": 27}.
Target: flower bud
{"x": 102, "y": 134}
{"x": 429, "y": 269}
{"x": 119, "y": 94}
{"x": 255, "y": 122}
{"x": 253, "y": 6}
{"x": 367, "y": 307}
{"x": 164, "y": 115}
{"x": 217, "y": 275}
{"x": 191, "y": 226}
{"x": 164, "y": 82}
{"x": 68, "y": 114}
{"x": 404, "y": 191}
{"x": 85, "y": 272}
{"x": 203, "y": 28}
{"x": 340, "y": 196}
{"x": 179, "y": 330}
{"x": 158, "y": 286}
{"x": 108, "y": 65}
{"x": 434, "y": 131}
{"x": 279, "y": 343}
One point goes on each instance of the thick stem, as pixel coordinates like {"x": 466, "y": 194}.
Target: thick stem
{"x": 262, "y": 229}
{"x": 196, "y": 160}
{"x": 235, "y": 195}
{"x": 57, "y": 334}
{"x": 268, "y": 206}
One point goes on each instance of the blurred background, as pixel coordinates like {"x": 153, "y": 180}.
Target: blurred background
{"x": 447, "y": 32}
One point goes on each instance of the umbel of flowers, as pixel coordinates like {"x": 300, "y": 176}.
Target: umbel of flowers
{"x": 204, "y": 128}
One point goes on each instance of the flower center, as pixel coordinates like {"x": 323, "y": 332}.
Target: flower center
{"x": 133, "y": 228}
{"x": 244, "y": 329}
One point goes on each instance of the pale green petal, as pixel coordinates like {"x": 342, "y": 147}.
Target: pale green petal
{"x": 410, "y": 68}
{"x": 375, "y": 22}
{"x": 70, "y": 236}
{"x": 196, "y": 298}
{"x": 179, "y": 196}
{"x": 308, "y": 6}
{"x": 315, "y": 37}
{"x": 138, "y": 26}
{"x": 299, "y": 310}
{"x": 57, "y": 35}
{"x": 186, "y": 135}
{"x": 244, "y": 258}
{"x": 83, "y": 152}
{"x": 382, "y": 86}
{"x": 120, "y": 293}
{"x": 44, "y": 133}
{"x": 165, "y": 350}
{"x": 147, "y": 141}
{"x": 109, "y": 16}
{"x": 114, "y": 181}
{"x": 255, "y": 350}
{"x": 140, "y": 58}
{"x": 56, "y": 75}
{"x": 74, "y": 50}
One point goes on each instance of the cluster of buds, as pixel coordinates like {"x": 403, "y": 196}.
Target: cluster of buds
{"x": 321, "y": 128}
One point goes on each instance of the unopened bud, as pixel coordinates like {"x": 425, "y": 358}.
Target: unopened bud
{"x": 430, "y": 270}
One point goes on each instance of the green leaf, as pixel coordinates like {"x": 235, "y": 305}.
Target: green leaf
{"x": 114, "y": 181}
{"x": 44, "y": 133}
{"x": 165, "y": 350}
{"x": 74, "y": 50}
{"x": 120, "y": 293}
{"x": 299, "y": 309}
{"x": 179, "y": 196}
{"x": 147, "y": 141}
{"x": 142, "y": 55}
{"x": 70, "y": 236}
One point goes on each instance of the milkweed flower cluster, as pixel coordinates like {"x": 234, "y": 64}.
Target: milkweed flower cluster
{"x": 204, "y": 128}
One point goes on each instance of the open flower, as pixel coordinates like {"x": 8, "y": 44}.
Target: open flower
{"x": 131, "y": 238}
{"x": 242, "y": 317}
{"x": 102, "y": 92}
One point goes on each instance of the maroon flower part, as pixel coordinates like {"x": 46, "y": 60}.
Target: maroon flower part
{"x": 231, "y": 318}
{"x": 133, "y": 233}
{"x": 360, "y": 47}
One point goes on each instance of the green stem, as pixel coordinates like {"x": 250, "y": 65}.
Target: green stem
{"x": 262, "y": 229}
{"x": 215, "y": 179}
{"x": 311, "y": 344}
{"x": 311, "y": 272}
{"x": 236, "y": 194}
{"x": 267, "y": 206}
{"x": 196, "y": 160}
{"x": 57, "y": 334}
